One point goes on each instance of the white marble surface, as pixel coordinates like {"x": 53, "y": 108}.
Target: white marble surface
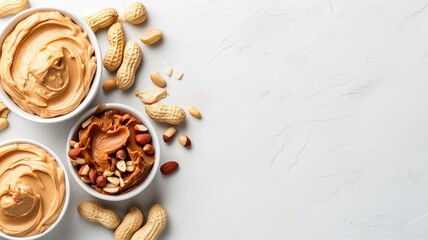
{"x": 315, "y": 119}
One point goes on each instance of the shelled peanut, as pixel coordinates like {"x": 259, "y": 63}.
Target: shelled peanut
{"x": 152, "y": 36}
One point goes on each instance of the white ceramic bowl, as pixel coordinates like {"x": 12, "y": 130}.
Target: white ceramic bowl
{"x": 67, "y": 189}
{"x": 155, "y": 142}
{"x": 95, "y": 81}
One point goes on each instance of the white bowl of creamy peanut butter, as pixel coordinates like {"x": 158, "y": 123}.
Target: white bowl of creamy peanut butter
{"x": 113, "y": 126}
{"x": 35, "y": 189}
{"x": 50, "y": 65}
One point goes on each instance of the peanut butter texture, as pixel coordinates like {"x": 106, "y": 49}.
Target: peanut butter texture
{"x": 47, "y": 64}
{"x": 108, "y": 132}
{"x": 32, "y": 190}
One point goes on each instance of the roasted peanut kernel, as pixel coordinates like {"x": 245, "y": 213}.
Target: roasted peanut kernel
{"x": 84, "y": 170}
{"x": 140, "y": 128}
{"x": 101, "y": 180}
{"x": 185, "y": 141}
{"x": 148, "y": 149}
{"x": 121, "y": 165}
{"x": 121, "y": 154}
{"x": 169, "y": 134}
{"x": 73, "y": 153}
{"x": 143, "y": 138}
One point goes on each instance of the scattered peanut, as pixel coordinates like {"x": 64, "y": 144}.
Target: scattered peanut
{"x": 178, "y": 74}
{"x": 136, "y": 13}
{"x": 156, "y": 222}
{"x": 185, "y": 141}
{"x": 195, "y": 112}
{"x": 8, "y": 7}
{"x": 109, "y": 85}
{"x": 3, "y": 123}
{"x": 102, "y": 19}
{"x": 130, "y": 224}
{"x": 166, "y": 113}
{"x": 152, "y": 36}
{"x": 151, "y": 96}
{"x": 168, "y": 71}
{"x": 169, "y": 134}
{"x": 157, "y": 79}
{"x": 114, "y": 55}
{"x": 92, "y": 212}
{"x": 4, "y": 111}
{"x": 131, "y": 61}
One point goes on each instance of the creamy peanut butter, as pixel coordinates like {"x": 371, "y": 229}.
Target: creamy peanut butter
{"x": 47, "y": 64}
{"x": 32, "y": 190}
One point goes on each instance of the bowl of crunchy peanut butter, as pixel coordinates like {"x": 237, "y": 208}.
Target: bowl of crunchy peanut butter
{"x": 113, "y": 152}
{"x": 50, "y": 65}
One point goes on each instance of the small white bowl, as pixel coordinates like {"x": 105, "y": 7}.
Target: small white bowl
{"x": 67, "y": 189}
{"x": 155, "y": 142}
{"x": 95, "y": 81}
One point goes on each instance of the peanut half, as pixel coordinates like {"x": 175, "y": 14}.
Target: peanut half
{"x": 109, "y": 85}
{"x": 130, "y": 224}
{"x": 166, "y": 113}
{"x": 157, "y": 79}
{"x": 152, "y": 36}
{"x": 92, "y": 212}
{"x": 156, "y": 222}
{"x": 114, "y": 55}
{"x": 195, "y": 112}
{"x": 8, "y": 7}
{"x": 102, "y": 19}
{"x": 168, "y": 71}
{"x": 4, "y": 111}
{"x": 151, "y": 96}
{"x": 3, "y": 123}
{"x": 131, "y": 61}
{"x": 136, "y": 13}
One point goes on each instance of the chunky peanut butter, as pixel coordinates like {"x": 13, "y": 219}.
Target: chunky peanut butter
{"x": 107, "y": 133}
{"x": 32, "y": 190}
{"x": 47, "y": 64}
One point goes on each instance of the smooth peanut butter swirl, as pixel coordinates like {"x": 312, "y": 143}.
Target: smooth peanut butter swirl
{"x": 108, "y": 132}
{"x": 47, "y": 64}
{"x": 32, "y": 190}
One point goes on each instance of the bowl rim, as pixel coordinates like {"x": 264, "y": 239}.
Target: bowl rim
{"x": 67, "y": 188}
{"x": 10, "y": 25}
{"x": 155, "y": 141}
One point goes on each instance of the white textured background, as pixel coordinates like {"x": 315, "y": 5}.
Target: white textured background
{"x": 315, "y": 119}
